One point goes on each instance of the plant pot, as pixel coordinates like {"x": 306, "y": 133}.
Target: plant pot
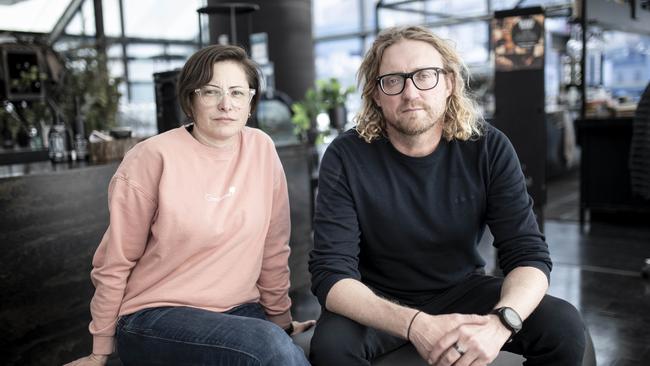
{"x": 338, "y": 117}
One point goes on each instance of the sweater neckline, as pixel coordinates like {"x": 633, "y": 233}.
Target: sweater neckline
{"x": 213, "y": 152}
{"x": 422, "y": 160}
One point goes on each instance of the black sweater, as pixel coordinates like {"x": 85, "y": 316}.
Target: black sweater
{"x": 409, "y": 227}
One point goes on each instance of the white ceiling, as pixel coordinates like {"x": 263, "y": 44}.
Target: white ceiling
{"x": 9, "y": 2}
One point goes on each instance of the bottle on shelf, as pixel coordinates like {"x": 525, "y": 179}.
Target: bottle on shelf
{"x": 59, "y": 143}
{"x": 80, "y": 141}
{"x": 7, "y": 136}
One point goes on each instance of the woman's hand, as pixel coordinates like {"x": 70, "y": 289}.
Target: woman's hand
{"x": 91, "y": 360}
{"x": 299, "y": 327}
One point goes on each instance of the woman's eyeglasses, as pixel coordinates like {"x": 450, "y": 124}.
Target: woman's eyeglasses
{"x": 211, "y": 95}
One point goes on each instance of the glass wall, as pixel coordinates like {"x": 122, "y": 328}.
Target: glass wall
{"x": 625, "y": 63}
{"x": 344, "y": 30}
{"x": 159, "y": 35}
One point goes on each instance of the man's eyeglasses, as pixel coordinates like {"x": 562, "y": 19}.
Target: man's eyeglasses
{"x": 423, "y": 79}
{"x": 210, "y": 95}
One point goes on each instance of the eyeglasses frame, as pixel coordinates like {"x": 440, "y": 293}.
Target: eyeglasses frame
{"x": 197, "y": 91}
{"x": 409, "y": 75}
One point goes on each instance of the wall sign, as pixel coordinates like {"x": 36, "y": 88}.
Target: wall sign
{"x": 518, "y": 42}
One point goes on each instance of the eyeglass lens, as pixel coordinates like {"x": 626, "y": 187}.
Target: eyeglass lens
{"x": 238, "y": 96}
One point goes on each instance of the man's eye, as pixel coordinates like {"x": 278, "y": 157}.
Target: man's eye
{"x": 392, "y": 80}
{"x": 423, "y": 75}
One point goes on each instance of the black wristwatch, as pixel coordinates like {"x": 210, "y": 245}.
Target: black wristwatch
{"x": 289, "y": 329}
{"x": 510, "y": 319}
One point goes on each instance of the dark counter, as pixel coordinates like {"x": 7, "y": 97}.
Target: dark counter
{"x": 53, "y": 218}
{"x": 605, "y": 188}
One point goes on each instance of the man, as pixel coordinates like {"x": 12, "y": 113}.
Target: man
{"x": 403, "y": 202}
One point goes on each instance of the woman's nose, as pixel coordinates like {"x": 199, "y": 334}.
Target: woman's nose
{"x": 225, "y": 104}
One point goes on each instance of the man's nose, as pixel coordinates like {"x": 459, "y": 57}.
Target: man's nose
{"x": 410, "y": 91}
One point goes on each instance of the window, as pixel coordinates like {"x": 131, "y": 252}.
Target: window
{"x": 335, "y": 17}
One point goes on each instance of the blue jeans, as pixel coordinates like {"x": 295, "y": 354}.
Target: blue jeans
{"x": 189, "y": 336}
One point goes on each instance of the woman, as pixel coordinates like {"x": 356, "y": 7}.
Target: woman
{"x": 193, "y": 267}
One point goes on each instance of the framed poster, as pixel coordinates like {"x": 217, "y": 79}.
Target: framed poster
{"x": 518, "y": 42}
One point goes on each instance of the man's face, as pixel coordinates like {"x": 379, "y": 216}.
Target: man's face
{"x": 413, "y": 111}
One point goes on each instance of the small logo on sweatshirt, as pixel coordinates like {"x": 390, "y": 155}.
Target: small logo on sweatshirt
{"x": 210, "y": 197}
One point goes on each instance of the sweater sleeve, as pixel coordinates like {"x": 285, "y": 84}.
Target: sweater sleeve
{"x": 509, "y": 213}
{"x": 132, "y": 210}
{"x": 336, "y": 228}
{"x": 274, "y": 280}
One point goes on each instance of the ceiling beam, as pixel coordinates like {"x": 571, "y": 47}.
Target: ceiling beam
{"x": 64, "y": 20}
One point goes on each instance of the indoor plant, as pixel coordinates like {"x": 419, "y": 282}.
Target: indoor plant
{"x": 328, "y": 96}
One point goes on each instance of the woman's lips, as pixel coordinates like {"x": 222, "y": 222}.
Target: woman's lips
{"x": 223, "y": 119}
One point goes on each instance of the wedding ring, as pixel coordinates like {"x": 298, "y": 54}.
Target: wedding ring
{"x": 458, "y": 349}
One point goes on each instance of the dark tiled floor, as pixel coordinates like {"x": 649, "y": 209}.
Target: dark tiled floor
{"x": 596, "y": 268}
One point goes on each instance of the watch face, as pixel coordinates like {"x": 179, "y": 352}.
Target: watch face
{"x": 512, "y": 318}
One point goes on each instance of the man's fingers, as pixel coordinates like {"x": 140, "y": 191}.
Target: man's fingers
{"x": 444, "y": 345}
{"x": 471, "y": 318}
{"x": 449, "y": 357}
{"x": 478, "y": 319}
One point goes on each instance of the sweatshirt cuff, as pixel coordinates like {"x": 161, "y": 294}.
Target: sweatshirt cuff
{"x": 282, "y": 320}
{"x": 103, "y": 345}
{"x": 326, "y": 284}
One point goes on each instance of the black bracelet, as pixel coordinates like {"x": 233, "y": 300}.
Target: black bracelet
{"x": 408, "y": 332}
{"x": 289, "y": 329}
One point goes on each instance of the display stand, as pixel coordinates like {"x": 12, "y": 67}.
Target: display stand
{"x": 232, "y": 11}
{"x": 518, "y": 43}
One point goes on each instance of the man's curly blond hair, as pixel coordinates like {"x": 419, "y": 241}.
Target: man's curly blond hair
{"x": 461, "y": 120}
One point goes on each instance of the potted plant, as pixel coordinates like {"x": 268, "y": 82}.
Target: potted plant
{"x": 87, "y": 90}
{"x": 304, "y": 115}
{"x": 333, "y": 97}
{"x": 328, "y": 96}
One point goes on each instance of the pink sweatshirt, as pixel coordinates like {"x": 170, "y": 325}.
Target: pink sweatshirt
{"x": 191, "y": 225}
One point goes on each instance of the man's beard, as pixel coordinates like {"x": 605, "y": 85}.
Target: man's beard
{"x": 415, "y": 125}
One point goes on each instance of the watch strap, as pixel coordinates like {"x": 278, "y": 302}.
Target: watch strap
{"x": 500, "y": 313}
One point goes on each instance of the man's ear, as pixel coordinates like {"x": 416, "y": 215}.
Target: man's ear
{"x": 375, "y": 97}
{"x": 449, "y": 82}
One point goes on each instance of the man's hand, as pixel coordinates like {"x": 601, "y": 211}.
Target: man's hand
{"x": 479, "y": 343}
{"x": 428, "y": 330}
{"x": 91, "y": 360}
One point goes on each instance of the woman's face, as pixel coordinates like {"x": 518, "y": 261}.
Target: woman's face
{"x": 222, "y": 106}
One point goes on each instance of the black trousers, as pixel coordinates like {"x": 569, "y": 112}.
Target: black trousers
{"x": 554, "y": 334}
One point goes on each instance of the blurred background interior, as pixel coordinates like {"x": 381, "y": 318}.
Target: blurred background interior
{"x": 82, "y": 81}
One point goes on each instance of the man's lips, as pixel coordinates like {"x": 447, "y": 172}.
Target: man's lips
{"x": 412, "y": 109}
